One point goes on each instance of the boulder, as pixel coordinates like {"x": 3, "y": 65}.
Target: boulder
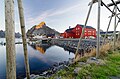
{"x": 96, "y": 61}
{"x": 76, "y": 70}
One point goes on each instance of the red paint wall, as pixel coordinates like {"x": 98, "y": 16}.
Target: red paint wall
{"x": 76, "y": 32}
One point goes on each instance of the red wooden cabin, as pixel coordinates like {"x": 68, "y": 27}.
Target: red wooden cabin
{"x": 76, "y": 32}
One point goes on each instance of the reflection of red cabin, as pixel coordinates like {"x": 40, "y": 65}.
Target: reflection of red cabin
{"x": 76, "y": 32}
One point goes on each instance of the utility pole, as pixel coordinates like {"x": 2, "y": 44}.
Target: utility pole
{"x": 98, "y": 30}
{"x": 10, "y": 40}
{"x": 22, "y": 23}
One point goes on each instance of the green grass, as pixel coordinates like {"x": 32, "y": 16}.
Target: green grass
{"x": 94, "y": 71}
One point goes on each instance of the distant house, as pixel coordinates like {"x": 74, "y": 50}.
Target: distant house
{"x": 76, "y": 32}
{"x": 50, "y": 35}
{"x": 109, "y": 32}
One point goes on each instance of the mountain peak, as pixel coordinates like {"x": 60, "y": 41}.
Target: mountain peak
{"x": 40, "y": 25}
{"x": 41, "y": 29}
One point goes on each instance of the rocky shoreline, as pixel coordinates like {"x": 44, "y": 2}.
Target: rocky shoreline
{"x": 62, "y": 65}
{"x": 56, "y": 67}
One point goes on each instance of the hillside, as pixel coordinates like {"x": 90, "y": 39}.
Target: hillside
{"x": 2, "y": 34}
{"x": 41, "y": 29}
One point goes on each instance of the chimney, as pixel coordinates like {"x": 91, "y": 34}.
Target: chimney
{"x": 69, "y": 27}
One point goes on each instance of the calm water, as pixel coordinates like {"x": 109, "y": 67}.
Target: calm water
{"x": 41, "y": 58}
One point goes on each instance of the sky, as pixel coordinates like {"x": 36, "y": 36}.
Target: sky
{"x": 59, "y": 14}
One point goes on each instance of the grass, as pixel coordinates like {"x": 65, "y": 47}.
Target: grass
{"x": 94, "y": 71}
{"x": 103, "y": 50}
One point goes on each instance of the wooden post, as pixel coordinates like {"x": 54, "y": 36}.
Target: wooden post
{"x": 98, "y": 30}
{"x": 118, "y": 39}
{"x": 113, "y": 32}
{"x": 115, "y": 28}
{"x": 22, "y": 23}
{"x": 83, "y": 29}
{"x": 10, "y": 40}
{"x": 108, "y": 26}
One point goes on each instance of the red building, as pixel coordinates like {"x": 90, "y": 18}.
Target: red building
{"x": 76, "y": 32}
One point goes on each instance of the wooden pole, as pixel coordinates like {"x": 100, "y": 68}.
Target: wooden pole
{"x": 118, "y": 38}
{"x": 113, "y": 32}
{"x": 98, "y": 30}
{"x": 22, "y": 23}
{"x": 83, "y": 29}
{"x": 108, "y": 27}
{"x": 10, "y": 40}
{"x": 115, "y": 29}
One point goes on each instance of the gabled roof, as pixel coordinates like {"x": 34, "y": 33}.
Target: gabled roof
{"x": 69, "y": 30}
{"x": 86, "y": 26}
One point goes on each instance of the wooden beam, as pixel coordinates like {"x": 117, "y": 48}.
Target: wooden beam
{"x": 83, "y": 30}
{"x": 98, "y": 30}
{"x": 111, "y": 4}
{"x": 22, "y": 23}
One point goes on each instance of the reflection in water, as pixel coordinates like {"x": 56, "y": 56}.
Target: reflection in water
{"x": 41, "y": 58}
{"x": 41, "y": 48}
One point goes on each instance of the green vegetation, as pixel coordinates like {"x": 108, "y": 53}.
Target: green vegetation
{"x": 93, "y": 71}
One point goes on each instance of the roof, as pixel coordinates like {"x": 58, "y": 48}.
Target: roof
{"x": 109, "y": 32}
{"x": 69, "y": 30}
{"x": 86, "y": 26}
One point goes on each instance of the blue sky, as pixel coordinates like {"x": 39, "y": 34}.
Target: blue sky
{"x": 58, "y": 14}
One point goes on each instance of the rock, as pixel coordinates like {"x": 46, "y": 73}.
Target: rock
{"x": 88, "y": 77}
{"x": 44, "y": 73}
{"x": 81, "y": 63}
{"x": 61, "y": 63}
{"x": 55, "y": 64}
{"x": 41, "y": 77}
{"x": 96, "y": 61}
{"x": 114, "y": 77}
{"x": 66, "y": 63}
{"x": 58, "y": 77}
{"x": 76, "y": 70}
{"x": 71, "y": 61}
{"x": 33, "y": 76}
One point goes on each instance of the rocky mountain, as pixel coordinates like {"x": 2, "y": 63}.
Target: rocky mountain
{"x": 2, "y": 34}
{"x": 41, "y": 29}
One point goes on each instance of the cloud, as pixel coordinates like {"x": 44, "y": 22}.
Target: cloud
{"x": 65, "y": 10}
{"x": 33, "y": 20}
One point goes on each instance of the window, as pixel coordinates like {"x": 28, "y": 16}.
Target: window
{"x": 89, "y": 31}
